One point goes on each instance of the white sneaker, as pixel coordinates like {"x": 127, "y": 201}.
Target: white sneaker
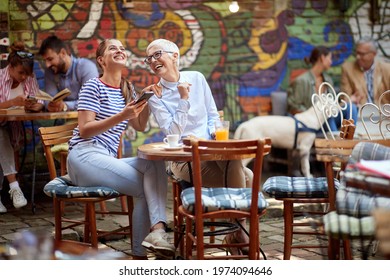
{"x": 157, "y": 242}
{"x": 18, "y": 198}
{"x": 2, "y": 208}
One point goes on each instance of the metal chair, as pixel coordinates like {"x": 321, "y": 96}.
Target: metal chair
{"x": 62, "y": 190}
{"x": 201, "y": 205}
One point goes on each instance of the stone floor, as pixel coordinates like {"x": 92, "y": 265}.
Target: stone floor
{"x": 271, "y": 226}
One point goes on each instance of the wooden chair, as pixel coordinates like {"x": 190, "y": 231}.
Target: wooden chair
{"x": 312, "y": 192}
{"x": 375, "y": 120}
{"x": 351, "y": 206}
{"x": 62, "y": 190}
{"x": 178, "y": 225}
{"x": 201, "y": 205}
{"x": 63, "y": 155}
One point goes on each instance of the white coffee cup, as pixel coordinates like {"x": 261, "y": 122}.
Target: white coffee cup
{"x": 172, "y": 140}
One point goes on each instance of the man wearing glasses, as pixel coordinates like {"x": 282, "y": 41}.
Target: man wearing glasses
{"x": 63, "y": 70}
{"x": 366, "y": 78}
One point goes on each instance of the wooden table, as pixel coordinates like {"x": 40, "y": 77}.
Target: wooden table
{"x": 157, "y": 151}
{"x": 23, "y": 116}
{"x": 39, "y": 116}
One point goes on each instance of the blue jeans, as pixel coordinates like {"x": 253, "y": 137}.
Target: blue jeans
{"x": 335, "y": 122}
{"x": 90, "y": 164}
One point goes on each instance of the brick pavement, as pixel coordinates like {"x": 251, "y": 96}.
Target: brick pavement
{"x": 271, "y": 228}
{"x": 17, "y": 220}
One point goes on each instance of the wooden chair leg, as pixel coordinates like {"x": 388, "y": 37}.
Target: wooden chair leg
{"x": 87, "y": 233}
{"x": 92, "y": 228}
{"x": 288, "y": 228}
{"x": 125, "y": 203}
{"x": 188, "y": 242}
{"x": 333, "y": 248}
{"x": 103, "y": 207}
{"x": 57, "y": 221}
{"x": 347, "y": 249}
{"x": 178, "y": 236}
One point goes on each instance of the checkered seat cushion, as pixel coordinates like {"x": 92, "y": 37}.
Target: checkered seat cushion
{"x": 354, "y": 206}
{"x": 344, "y": 225}
{"x": 297, "y": 187}
{"x": 222, "y": 199}
{"x": 62, "y": 187}
{"x": 355, "y": 202}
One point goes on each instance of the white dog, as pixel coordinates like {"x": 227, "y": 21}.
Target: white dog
{"x": 282, "y": 131}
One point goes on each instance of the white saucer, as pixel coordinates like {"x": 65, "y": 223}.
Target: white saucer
{"x": 167, "y": 148}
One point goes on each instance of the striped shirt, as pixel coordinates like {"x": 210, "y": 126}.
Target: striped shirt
{"x": 105, "y": 101}
{"x": 30, "y": 85}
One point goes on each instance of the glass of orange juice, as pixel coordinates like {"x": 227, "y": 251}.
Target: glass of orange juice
{"x": 222, "y": 130}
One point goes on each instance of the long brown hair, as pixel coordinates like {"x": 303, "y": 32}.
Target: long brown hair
{"x": 126, "y": 86}
{"x": 19, "y": 56}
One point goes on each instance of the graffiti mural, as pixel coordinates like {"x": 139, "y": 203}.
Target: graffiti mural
{"x": 245, "y": 56}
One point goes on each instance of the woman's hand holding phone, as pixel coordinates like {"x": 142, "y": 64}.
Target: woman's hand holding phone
{"x": 145, "y": 96}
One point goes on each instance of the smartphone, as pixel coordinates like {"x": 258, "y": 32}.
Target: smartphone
{"x": 31, "y": 98}
{"x": 146, "y": 95}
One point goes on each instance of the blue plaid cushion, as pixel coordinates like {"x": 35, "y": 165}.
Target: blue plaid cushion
{"x": 369, "y": 151}
{"x": 298, "y": 187}
{"x": 63, "y": 187}
{"x": 357, "y": 203}
{"x": 222, "y": 199}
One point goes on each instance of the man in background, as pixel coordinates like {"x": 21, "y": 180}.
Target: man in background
{"x": 366, "y": 78}
{"x": 63, "y": 70}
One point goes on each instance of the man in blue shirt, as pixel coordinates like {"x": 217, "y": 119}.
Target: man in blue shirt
{"x": 63, "y": 70}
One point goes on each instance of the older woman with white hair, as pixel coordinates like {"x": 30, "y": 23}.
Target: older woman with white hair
{"x": 183, "y": 104}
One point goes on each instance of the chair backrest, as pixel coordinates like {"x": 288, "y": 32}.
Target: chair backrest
{"x": 54, "y": 135}
{"x": 328, "y": 104}
{"x": 339, "y": 150}
{"x": 211, "y": 150}
{"x": 376, "y": 118}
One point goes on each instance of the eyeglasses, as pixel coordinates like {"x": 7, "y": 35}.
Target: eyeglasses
{"x": 361, "y": 54}
{"x": 156, "y": 55}
{"x": 22, "y": 54}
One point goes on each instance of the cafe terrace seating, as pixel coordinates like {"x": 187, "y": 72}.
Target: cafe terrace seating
{"x": 352, "y": 219}
{"x": 312, "y": 191}
{"x": 62, "y": 190}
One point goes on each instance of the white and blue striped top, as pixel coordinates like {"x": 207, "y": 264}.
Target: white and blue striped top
{"x": 105, "y": 101}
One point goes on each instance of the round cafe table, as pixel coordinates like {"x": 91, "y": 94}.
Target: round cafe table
{"x": 158, "y": 151}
